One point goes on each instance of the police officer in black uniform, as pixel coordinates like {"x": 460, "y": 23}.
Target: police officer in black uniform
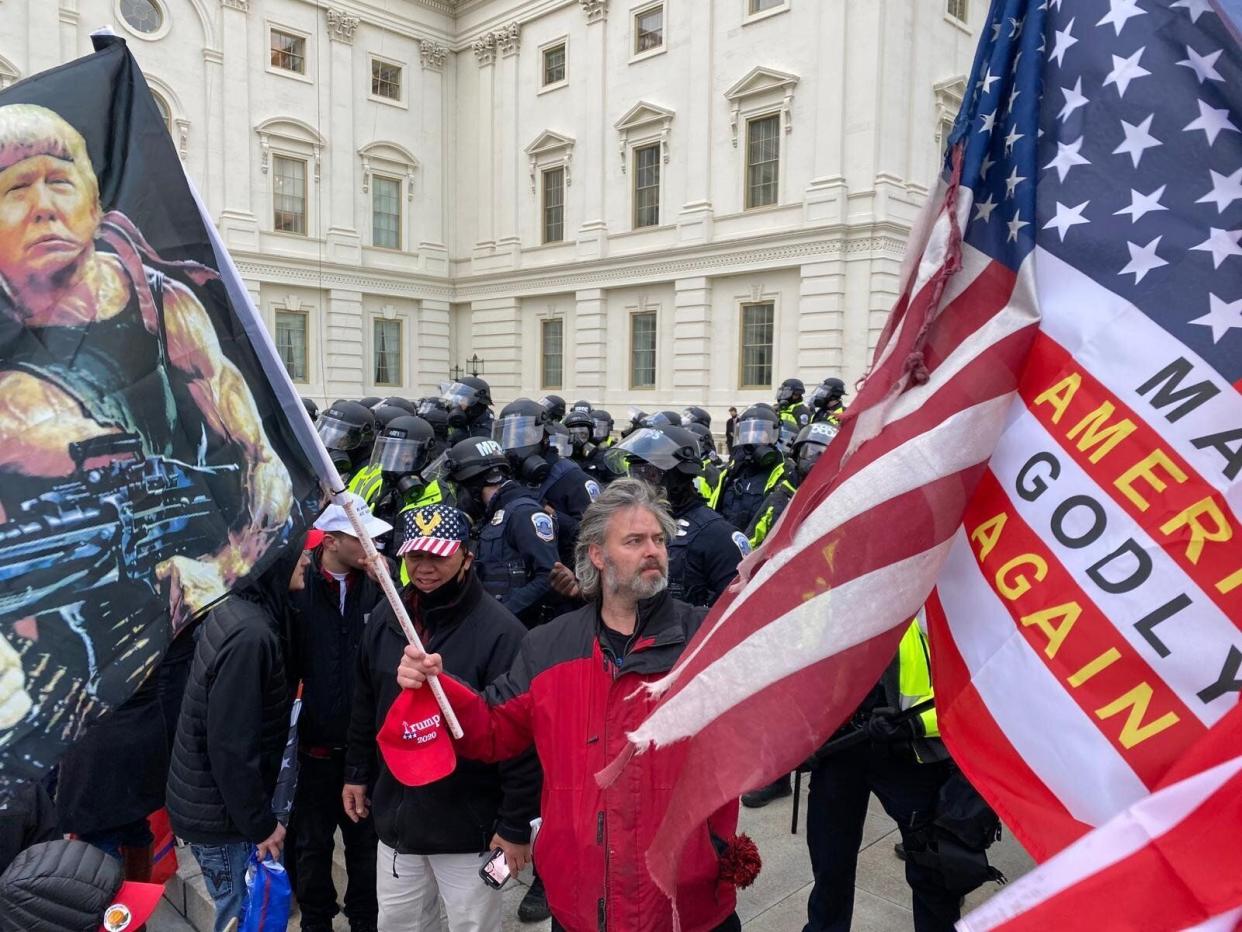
{"x": 826, "y": 402}
{"x": 515, "y": 539}
{"x": 754, "y": 470}
{"x": 347, "y": 429}
{"x": 807, "y": 449}
{"x": 402, "y": 452}
{"x": 312, "y": 409}
{"x": 434, "y": 411}
{"x": 703, "y": 557}
{"x": 553, "y": 408}
{"x": 696, "y": 415}
{"x": 469, "y": 403}
{"x": 581, "y": 426}
{"x": 662, "y": 419}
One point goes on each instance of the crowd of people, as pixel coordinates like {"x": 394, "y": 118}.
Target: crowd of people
{"x": 550, "y": 564}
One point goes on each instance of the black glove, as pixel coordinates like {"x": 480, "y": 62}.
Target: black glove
{"x": 883, "y": 726}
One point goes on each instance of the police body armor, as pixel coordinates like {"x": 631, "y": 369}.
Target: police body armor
{"x": 680, "y": 584}
{"x": 742, "y": 496}
{"x": 502, "y": 567}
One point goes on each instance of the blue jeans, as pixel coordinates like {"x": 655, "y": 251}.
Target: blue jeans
{"x": 224, "y": 872}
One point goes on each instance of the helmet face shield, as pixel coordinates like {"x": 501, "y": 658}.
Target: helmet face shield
{"x": 808, "y": 455}
{"x": 650, "y": 446}
{"x": 562, "y": 443}
{"x": 457, "y": 395}
{"x": 784, "y": 393}
{"x": 399, "y": 454}
{"x": 652, "y": 475}
{"x": 601, "y": 430}
{"x": 755, "y": 432}
{"x": 337, "y": 434}
{"x": 788, "y": 435}
{"x": 518, "y": 431}
{"x": 580, "y": 436}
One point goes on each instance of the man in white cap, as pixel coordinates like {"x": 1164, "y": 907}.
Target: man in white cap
{"x": 331, "y": 612}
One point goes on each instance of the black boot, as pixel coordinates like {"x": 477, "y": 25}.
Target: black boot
{"x": 777, "y": 789}
{"x": 534, "y": 906}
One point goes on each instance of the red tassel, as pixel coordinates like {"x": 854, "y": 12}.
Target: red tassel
{"x": 740, "y": 865}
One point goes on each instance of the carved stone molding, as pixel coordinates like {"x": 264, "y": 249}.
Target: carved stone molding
{"x": 485, "y": 49}
{"x": 243, "y": 5}
{"x": 341, "y": 26}
{"x": 432, "y": 54}
{"x": 507, "y": 41}
{"x": 182, "y": 136}
{"x": 595, "y": 10}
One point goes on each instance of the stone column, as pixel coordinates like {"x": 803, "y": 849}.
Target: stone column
{"x": 431, "y": 347}
{"x": 593, "y": 233}
{"x": 496, "y": 335}
{"x": 692, "y": 336}
{"x": 694, "y": 222}
{"x": 508, "y": 42}
{"x": 825, "y": 199}
{"x": 433, "y": 175}
{"x": 344, "y": 362}
{"x": 821, "y": 320}
{"x": 590, "y": 339}
{"x": 344, "y": 245}
{"x": 214, "y": 157}
{"x": 238, "y": 223}
{"x": 484, "y": 193}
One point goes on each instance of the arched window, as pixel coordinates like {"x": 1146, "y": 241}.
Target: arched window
{"x": 142, "y": 15}
{"x": 165, "y": 114}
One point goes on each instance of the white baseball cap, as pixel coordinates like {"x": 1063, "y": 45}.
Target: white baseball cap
{"x": 334, "y": 518}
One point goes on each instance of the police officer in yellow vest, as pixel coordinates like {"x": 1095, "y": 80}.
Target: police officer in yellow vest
{"x": 367, "y": 481}
{"x": 905, "y": 764}
{"x": 807, "y": 448}
{"x": 826, "y": 403}
{"x": 755, "y": 467}
{"x": 793, "y": 413}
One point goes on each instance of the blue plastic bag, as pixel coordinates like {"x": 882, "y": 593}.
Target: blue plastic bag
{"x": 268, "y": 897}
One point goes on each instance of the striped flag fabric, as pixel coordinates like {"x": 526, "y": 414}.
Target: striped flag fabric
{"x": 1085, "y": 631}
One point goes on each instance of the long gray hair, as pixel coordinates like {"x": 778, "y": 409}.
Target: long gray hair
{"x": 620, "y": 494}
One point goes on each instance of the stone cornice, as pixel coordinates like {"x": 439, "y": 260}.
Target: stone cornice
{"x": 595, "y": 10}
{"x": 341, "y": 26}
{"x": 506, "y": 40}
{"x": 243, "y": 5}
{"x": 432, "y": 54}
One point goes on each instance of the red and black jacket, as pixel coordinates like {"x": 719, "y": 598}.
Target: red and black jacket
{"x": 574, "y": 701}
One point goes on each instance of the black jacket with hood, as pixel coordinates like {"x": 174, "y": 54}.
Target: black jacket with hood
{"x": 235, "y": 716}
{"x": 478, "y": 639}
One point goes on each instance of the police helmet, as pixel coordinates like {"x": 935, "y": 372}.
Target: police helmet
{"x": 790, "y": 390}
{"x": 696, "y": 415}
{"x": 477, "y": 458}
{"x": 581, "y": 406}
{"x": 347, "y": 425}
{"x": 553, "y": 407}
{"x": 758, "y": 427}
{"x": 559, "y": 438}
{"x": 433, "y": 411}
{"x": 827, "y": 393}
{"x": 662, "y": 419}
{"x": 810, "y": 445}
{"x": 370, "y": 401}
{"x": 403, "y": 445}
{"x": 312, "y": 409}
{"x": 519, "y": 427}
{"x": 707, "y": 443}
{"x": 581, "y": 427}
{"x": 466, "y": 393}
{"x": 386, "y": 414}
{"x": 603, "y": 425}
{"x": 392, "y": 401}
{"x": 667, "y": 449}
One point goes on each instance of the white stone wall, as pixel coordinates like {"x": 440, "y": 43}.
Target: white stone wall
{"x": 863, "y": 88}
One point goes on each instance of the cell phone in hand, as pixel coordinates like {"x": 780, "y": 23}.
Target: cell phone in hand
{"x": 495, "y": 872}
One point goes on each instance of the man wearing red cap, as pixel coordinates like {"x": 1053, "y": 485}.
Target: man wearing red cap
{"x": 435, "y": 837}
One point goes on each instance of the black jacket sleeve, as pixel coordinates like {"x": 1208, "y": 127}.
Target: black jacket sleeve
{"x": 234, "y": 730}
{"x": 360, "y": 751}
{"x": 721, "y": 559}
{"x": 521, "y": 779}
{"x": 542, "y": 555}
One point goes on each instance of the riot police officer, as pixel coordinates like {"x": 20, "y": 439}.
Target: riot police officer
{"x": 703, "y": 556}
{"x": 433, "y": 410}
{"x": 370, "y": 401}
{"x": 601, "y": 465}
{"x": 696, "y": 415}
{"x": 601, "y": 435}
{"x": 366, "y": 480}
{"x": 581, "y": 426}
{"x": 662, "y": 419}
{"x": 754, "y": 469}
{"x": 347, "y": 429}
{"x": 553, "y": 408}
{"x": 515, "y": 538}
{"x": 469, "y": 403}
{"x": 810, "y": 444}
{"x": 312, "y": 409}
{"x": 826, "y": 404}
{"x": 793, "y": 414}
{"x": 402, "y": 453}
{"x": 582, "y": 405}
{"x": 712, "y": 463}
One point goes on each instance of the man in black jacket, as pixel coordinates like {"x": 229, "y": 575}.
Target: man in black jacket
{"x": 233, "y": 726}
{"x": 434, "y": 838}
{"x": 331, "y": 612}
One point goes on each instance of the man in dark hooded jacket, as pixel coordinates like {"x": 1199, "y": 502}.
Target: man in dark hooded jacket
{"x": 231, "y": 733}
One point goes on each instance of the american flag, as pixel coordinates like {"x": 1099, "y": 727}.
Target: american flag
{"x": 1087, "y": 217}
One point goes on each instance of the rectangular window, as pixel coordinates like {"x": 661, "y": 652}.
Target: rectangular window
{"x": 554, "y": 65}
{"x": 291, "y": 343}
{"x": 757, "y": 328}
{"x": 760, "y": 6}
{"x": 385, "y": 79}
{"x": 385, "y": 212}
{"x": 647, "y": 186}
{"x": 288, "y": 52}
{"x": 763, "y": 160}
{"x": 553, "y": 352}
{"x": 649, "y": 29}
{"x": 288, "y": 195}
{"x": 554, "y": 205}
{"x": 957, "y": 9}
{"x": 643, "y": 350}
{"x": 387, "y": 352}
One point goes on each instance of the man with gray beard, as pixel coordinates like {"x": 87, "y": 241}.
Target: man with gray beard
{"x": 574, "y": 691}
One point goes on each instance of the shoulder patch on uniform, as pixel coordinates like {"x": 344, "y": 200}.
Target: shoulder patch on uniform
{"x": 593, "y": 489}
{"x": 498, "y": 517}
{"x": 545, "y": 529}
{"x": 742, "y": 543}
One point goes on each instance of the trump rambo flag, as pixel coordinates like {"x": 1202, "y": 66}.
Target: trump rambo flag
{"x": 1051, "y": 433}
{"x": 152, "y": 451}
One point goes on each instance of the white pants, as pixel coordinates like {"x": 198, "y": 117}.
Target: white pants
{"x": 410, "y": 901}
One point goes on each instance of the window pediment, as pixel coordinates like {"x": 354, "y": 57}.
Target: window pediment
{"x": 388, "y": 157}
{"x": 761, "y": 87}
{"x": 292, "y": 134}
{"x": 644, "y": 119}
{"x": 549, "y": 147}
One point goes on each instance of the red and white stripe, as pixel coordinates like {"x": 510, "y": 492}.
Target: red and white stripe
{"x": 437, "y": 546}
{"x": 788, "y": 653}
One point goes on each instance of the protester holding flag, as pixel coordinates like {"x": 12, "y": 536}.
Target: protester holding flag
{"x": 232, "y": 732}
{"x": 573, "y": 691}
{"x": 436, "y": 831}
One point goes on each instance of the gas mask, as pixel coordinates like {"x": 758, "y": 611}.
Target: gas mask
{"x": 533, "y": 468}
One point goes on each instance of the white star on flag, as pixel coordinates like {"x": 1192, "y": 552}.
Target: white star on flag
{"x": 1013, "y": 96}
{"x": 1067, "y": 157}
{"x": 989, "y": 122}
{"x": 1196, "y": 8}
{"x": 983, "y": 209}
{"x": 1126, "y": 70}
{"x": 1211, "y": 121}
{"x": 1073, "y": 100}
{"x": 1015, "y": 27}
{"x": 985, "y": 166}
{"x": 1067, "y": 217}
{"x": 1016, "y": 224}
{"x": 1141, "y": 204}
{"x": 1225, "y": 190}
{"x": 1063, "y": 43}
{"x": 987, "y": 80}
{"x": 1012, "y": 138}
{"x": 1142, "y": 260}
{"x": 1137, "y": 140}
{"x": 1119, "y": 12}
{"x": 1222, "y": 317}
{"x": 1221, "y": 244}
{"x": 1204, "y": 66}
{"x": 1012, "y": 182}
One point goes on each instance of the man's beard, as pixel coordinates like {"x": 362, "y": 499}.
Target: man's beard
{"x": 639, "y": 587}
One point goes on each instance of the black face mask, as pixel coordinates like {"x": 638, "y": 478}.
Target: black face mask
{"x": 470, "y": 500}
{"x": 534, "y": 468}
{"x": 457, "y": 418}
{"x": 448, "y": 592}
{"x": 411, "y": 485}
{"x": 342, "y": 463}
{"x": 681, "y": 491}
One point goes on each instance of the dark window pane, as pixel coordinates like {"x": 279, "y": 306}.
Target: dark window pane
{"x": 647, "y": 186}
{"x": 387, "y": 352}
{"x": 758, "y": 6}
{"x": 386, "y": 212}
{"x": 288, "y": 52}
{"x": 553, "y": 353}
{"x": 649, "y": 30}
{"x": 554, "y": 65}
{"x": 385, "y": 80}
{"x": 142, "y": 15}
{"x": 757, "y": 330}
{"x": 554, "y": 205}
{"x": 643, "y": 350}
{"x": 763, "y": 152}
{"x": 288, "y": 195}
{"x": 291, "y": 343}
